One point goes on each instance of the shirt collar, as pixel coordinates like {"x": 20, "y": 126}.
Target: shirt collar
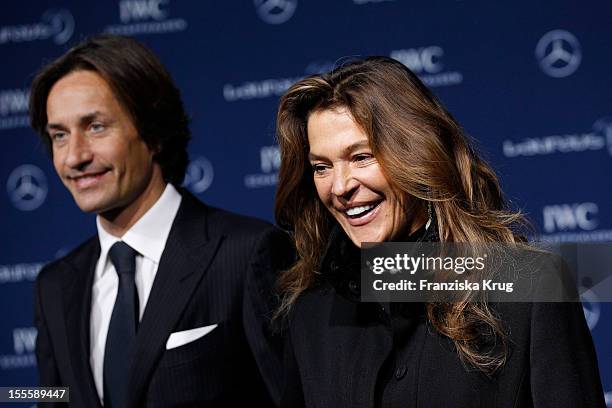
{"x": 149, "y": 234}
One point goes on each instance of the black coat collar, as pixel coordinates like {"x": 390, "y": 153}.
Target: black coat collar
{"x": 340, "y": 266}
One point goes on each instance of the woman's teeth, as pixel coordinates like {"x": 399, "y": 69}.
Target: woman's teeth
{"x": 361, "y": 210}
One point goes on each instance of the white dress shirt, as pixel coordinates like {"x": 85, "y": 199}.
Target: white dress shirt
{"x": 148, "y": 238}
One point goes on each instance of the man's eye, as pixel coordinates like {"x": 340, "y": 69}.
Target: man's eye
{"x": 97, "y": 127}
{"x": 58, "y": 137}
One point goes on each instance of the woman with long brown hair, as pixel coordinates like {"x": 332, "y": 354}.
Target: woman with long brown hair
{"x": 368, "y": 154}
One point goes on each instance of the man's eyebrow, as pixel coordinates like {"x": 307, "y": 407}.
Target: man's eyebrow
{"x": 55, "y": 126}
{"x": 83, "y": 120}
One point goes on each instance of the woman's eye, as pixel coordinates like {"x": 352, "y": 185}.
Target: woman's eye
{"x": 362, "y": 157}
{"x": 319, "y": 168}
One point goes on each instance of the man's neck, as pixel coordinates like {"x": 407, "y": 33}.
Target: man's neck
{"x": 117, "y": 222}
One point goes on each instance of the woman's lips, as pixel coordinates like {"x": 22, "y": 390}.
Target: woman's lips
{"x": 367, "y": 217}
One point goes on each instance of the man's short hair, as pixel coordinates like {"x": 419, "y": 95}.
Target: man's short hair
{"x": 142, "y": 86}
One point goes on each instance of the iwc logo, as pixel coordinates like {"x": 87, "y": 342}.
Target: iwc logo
{"x": 24, "y": 346}
{"x": 275, "y": 11}
{"x": 269, "y": 163}
{"x": 558, "y": 53}
{"x": 139, "y": 17}
{"x": 27, "y": 187}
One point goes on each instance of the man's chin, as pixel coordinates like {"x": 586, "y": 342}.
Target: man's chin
{"x": 91, "y": 206}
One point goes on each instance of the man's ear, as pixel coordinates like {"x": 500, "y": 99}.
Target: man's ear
{"x": 155, "y": 149}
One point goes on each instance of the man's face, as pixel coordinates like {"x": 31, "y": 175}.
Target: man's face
{"x": 97, "y": 151}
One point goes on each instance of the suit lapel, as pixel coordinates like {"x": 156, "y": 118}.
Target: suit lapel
{"x": 76, "y": 295}
{"x": 188, "y": 252}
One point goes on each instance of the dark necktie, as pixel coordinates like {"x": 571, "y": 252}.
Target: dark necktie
{"x": 121, "y": 335}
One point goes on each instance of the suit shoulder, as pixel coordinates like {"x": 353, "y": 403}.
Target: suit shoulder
{"x": 231, "y": 223}
{"x": 53, "y": 269}
{"x": 221, "y": 221}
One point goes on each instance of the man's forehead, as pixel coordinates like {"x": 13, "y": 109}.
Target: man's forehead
{"x": 80, "y": 83}
{"x": 80, "y": 94}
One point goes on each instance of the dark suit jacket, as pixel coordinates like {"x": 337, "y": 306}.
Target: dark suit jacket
{"x": 216, "y": 268}
{"x": 343, "y": 353}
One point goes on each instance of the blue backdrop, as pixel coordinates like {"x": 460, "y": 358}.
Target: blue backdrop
{"x": 531, "y": 81}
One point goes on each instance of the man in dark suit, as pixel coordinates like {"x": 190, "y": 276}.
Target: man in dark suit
{"x": 169, "y": 305}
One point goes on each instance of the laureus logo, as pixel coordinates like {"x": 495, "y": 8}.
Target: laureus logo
{"x": 603, "y": 127}
{"x": 199, "y": 175}
{"x": 61, "y": 23}
{"x": 57, "y": 25}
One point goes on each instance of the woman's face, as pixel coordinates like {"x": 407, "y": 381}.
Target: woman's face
{"x": 349, "y": 180}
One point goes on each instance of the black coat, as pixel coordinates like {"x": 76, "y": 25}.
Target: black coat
{"x": 216, "y": 268}
{"x": 343, "y": 353}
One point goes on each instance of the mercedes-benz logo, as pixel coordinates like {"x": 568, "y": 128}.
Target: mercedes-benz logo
{"x": 558, "y": 53}
{"x": 27, "y": 187}
{"x": 199, "y": 175}
{"x": 275, "y": 11}
{"x": 591, "y": 308}
{"x": 62, "y": 25}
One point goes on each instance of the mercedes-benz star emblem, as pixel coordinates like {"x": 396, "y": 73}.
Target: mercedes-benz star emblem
{"x": 27, "y": 187}
{"x": 558, "y": 53}
{"x": 275, "y": 11}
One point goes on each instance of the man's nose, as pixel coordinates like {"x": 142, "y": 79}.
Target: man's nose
{"x": 79, "y": 151}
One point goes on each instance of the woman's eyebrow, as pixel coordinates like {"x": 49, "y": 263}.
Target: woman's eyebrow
{"x": 347, "y": 150}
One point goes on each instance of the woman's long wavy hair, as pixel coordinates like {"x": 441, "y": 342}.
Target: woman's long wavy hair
{"x": 425, "y": 155}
